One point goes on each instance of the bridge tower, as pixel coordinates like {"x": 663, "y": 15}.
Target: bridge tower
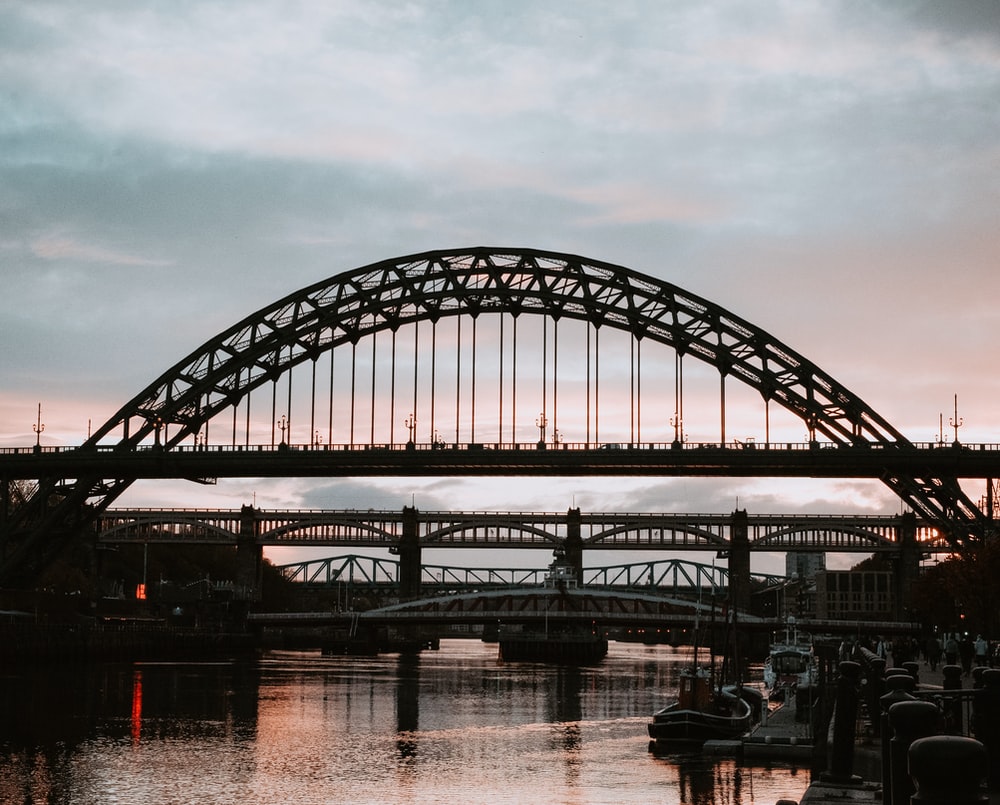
{"x": 574, "y": 544}
{"x": 249, "y": 554}
{"x": 409, "y": 553}
{"x": 906, "y": 565}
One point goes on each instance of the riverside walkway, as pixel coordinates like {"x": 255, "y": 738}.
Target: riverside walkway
{"x": 848, "y": 787}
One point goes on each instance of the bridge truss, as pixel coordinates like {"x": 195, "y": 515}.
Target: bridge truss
{"x": 343, "y": 361}
{"x": 671, "y": 577}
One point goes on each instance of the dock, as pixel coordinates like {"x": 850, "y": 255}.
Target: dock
{"x": 779, "y": 736}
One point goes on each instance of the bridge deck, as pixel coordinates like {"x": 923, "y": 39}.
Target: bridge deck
{"x": 816, "y": 459}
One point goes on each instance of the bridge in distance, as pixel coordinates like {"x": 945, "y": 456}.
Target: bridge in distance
{"x": 352, "y": 528}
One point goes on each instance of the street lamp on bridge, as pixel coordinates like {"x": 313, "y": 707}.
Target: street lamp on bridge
{"x": 541, "y": 423}
{"x": 38, "y": 427}
{"x": 283, "y": 426}
{"x": 956, "y": 422}
{"x": 411, "y": 427}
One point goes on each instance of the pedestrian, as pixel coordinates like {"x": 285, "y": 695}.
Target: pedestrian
{"x": 966, "y": 651}
{"x": 880, "y": 649}
{"x": 982, "y": 649}
{"x": 932, "y": 651}
{"x": 951, "y": 650}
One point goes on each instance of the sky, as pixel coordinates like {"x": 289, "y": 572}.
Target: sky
{"x": 829, "y": 171}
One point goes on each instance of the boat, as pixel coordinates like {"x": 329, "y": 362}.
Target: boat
{"x": 703, "y": 710}
{"x": 703, "y": 713}
{"x": 790, "y": 667}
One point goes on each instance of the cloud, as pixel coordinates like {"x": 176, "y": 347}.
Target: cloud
{"x": 64, "y": 248}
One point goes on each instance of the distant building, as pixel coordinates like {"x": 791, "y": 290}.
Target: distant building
{"x": 857, "y": 595}
{"x": 804, "y": 566}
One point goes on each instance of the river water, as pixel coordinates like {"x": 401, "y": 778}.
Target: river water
{"x": 447, "y": 726}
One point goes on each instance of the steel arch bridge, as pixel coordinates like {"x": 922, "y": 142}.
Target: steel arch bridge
{"x": 466, "y": 285}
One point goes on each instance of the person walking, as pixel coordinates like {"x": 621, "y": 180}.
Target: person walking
{"x": 951, "y": 650}
{"x": 982, "y": 650}
{"x": 932, "y": 652}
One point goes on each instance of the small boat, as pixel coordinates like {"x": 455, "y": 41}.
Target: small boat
{"x": 702, "y": 713}
{"x": 790, "y": 665}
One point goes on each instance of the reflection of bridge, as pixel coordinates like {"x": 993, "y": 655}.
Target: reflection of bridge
{"x": 491, "y": 362}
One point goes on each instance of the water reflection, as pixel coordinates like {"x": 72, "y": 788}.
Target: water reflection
{"x": 441, "y": 726}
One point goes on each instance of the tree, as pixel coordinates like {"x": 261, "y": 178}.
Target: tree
{"x": 961, "y": 593}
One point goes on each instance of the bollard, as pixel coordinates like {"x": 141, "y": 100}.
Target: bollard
{"x": 986, "y": 721}
{"x": 909, "y": 720}
{"x": 841, "y": 767}
{"x": 875, "y": 689}
{"x": 952, "y": 705}
{"x": 897, "y": 692}
{"x": 948, "y": 770}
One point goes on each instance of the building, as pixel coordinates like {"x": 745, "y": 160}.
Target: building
{"x": 856, "y": 595}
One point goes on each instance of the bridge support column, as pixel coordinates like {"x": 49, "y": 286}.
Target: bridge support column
{"x": 249, "y": 555}
{"x": 5, "y": 484}
{"x": 906, "y": 566}
{"x": 739, "y": 561}
{"x": 574, "y": 544}
{"x": 409, "y": 556}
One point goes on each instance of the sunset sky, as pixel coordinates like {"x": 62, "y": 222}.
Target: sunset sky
{"x": 829, "y": 171}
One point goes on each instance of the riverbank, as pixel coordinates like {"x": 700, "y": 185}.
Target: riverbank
{"x": 867, "y": 749}
{"x": 23, "y": 640}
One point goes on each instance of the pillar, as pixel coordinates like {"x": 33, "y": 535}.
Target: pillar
{"x": 5, "y": 484}
{"x": 840, "y": 769}
{"x": 739, "y": 561}
{"x": 906, "y": 566}
{"x": 249, "y": 555}
{"x": 574, "y": 544}
{"x": 408, "y": 551}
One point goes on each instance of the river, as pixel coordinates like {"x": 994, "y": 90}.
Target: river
{"x": 447, "y": 726}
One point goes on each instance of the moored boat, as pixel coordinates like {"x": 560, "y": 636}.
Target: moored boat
{"x": 702, "y": 713}
{"x": 790, "y": 665}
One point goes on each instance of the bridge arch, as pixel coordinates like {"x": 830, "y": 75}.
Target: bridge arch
{"x": 434, "y": 285}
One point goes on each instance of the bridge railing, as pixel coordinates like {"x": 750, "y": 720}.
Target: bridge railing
{"x": 514, "y": 446}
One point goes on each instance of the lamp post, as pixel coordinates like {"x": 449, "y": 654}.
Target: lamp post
{"x": 956, "y": 422}
{"x": 411, "y": 427}
{"x": 541, "y": 423}
{"x": 283, "y": 426}
{"x": 38, "y": 427}
{"x": 678, "y": 425}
